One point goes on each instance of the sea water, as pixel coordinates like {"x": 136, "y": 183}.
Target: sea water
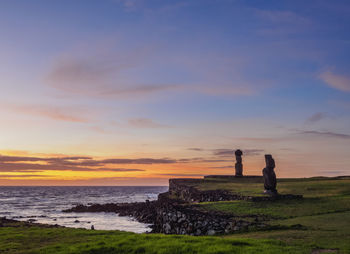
{"x": 45, "y": 205}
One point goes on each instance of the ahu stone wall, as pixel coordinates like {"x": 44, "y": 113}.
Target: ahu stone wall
{"x": 182, "y": 189}
{"x": 189, "y": 221}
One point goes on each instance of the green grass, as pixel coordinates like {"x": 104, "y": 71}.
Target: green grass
{"x": 327, "y": 231}
{"x": 309, "y": 187}
{"x": 63, "y": 240}
{"x": 322, "y": 216}
{"x": 321, "y": 195}
{"x": 282, "y": 208}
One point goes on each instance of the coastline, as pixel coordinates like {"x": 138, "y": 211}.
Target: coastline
{"x": 325, "y": 208}
{"x": 45, "y": 205}
{"x": 177, "y": 211}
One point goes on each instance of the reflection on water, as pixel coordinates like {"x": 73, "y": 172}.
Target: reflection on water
{"x": 44, "y": 205}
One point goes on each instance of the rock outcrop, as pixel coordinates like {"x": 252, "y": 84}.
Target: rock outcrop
{"x": 4, "y": 222}
{"x": 171, "y": 216}
{"x": 176, "y": 211}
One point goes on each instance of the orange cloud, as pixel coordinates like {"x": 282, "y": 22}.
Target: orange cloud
{"x": 67, "y": 114}
{"x": 145, "y": 123}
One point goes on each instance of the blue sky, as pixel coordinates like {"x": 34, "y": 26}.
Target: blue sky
{"x": 138, "y": 78}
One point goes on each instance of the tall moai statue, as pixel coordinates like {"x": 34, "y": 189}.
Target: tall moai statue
{"x": 239, "y": 165}
{"x": 269, "y": 175}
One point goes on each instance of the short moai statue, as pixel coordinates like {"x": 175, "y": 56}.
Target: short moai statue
{"x": 239, "y": 165}
{"x": 269, "y": 176}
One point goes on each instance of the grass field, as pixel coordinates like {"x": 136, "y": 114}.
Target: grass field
{"x": 322, "y": 217}
{"x": 320, "y": 223}
{"x": 62, "y": 240}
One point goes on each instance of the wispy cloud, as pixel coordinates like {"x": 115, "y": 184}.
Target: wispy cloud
{"x": 85, "y": 163}
{"x": 316, "y": 117}
{"x": 337, "y": 81}
{"x": 76, "y": 163}
{"x": 202, "y": 160}
{"x": 140, "y": 161}
{"x": 327, "y": 134}
{"x": 131, "y": 5}
{"x": 115, "y": 73}
{"x": 282, "y": 23}
{"x": 36, "y": 164}
{"x": 23, "y": 176}
{"x": 35, "y": 167}
{"x": 261, "y": 139}
{"x": 226, "y": 90}
{"x": 132, "y": 90}
{"x": 221, "y": 152}
{"x": 224, "y": 152}
{"x": 223, "y": 167}
{"x": 120, "y": 169}
{"x": 145, "y": 123}
{"x": 252, "y": 152}
{"x": 293, "y": 135}
{"x": 281, "y": 16}
{"x": 52, "y": 159}
{"x": 196, "y": 149}
{"x": 102, "y": 74}
{"x": 230, "y": 152}
{"x": 63, "y": 113}
{"x": 160, "y": 8}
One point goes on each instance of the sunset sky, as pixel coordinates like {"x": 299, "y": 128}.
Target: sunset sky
{"x": 134, "y": 92}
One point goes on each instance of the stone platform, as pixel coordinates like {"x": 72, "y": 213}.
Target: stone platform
{"x": 232, "y": 176}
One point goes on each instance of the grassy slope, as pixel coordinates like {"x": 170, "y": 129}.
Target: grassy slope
{"x": 309, "y": 187}
{"x": 320, "y": 196}
{"x": 327, "y": 231}
{"x": 324, "y": 215}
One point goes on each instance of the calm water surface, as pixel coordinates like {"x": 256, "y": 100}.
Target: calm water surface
{"x": 45, "y": 205}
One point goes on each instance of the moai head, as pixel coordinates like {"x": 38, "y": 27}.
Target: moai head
{"x": 270, "y": 162}
{"x": 238, "y": 152}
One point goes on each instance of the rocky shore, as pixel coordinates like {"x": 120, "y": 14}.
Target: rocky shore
{"x": 173, "y": 216}
{"x": 4, "y": 222}
{"x": 177, "y": 212}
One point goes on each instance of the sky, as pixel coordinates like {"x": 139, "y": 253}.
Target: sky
{"x": 134, "y": 92}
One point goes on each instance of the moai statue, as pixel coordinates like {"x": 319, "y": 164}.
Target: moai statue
{"x": 239, "y": 165}
{"x": 269, "y": 176}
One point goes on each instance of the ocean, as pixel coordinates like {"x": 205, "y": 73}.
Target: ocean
{"x": 45, "y": 205}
